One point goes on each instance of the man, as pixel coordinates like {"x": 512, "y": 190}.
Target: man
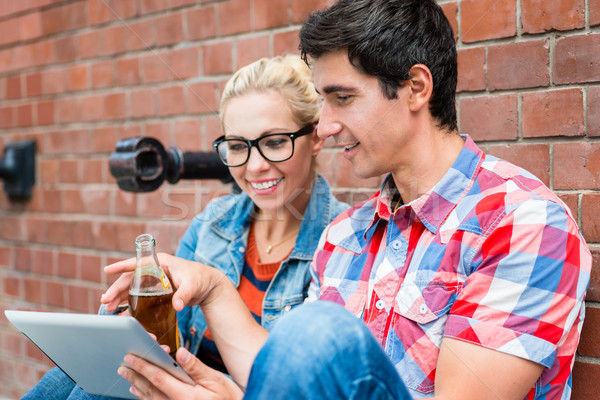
{"x": 468, "y": 272}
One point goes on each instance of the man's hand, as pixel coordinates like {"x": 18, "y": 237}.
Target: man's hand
{"x": 152, "y": 382}
{"x": 193, "y": 281}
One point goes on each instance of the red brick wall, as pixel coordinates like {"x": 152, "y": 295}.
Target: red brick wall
{"x": 77, "y": 76}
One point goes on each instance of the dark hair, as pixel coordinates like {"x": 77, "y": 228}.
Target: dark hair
{"x": 385, "y": 38}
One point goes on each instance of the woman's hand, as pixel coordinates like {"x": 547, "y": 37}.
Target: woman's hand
{"x": 152, "y": 382}
{"x": 193, "y": 281}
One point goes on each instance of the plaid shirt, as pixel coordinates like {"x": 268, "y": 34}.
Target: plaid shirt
{"x": 489, "y": 256}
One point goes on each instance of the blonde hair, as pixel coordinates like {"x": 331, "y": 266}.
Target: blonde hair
{"x": 287, "y": 75}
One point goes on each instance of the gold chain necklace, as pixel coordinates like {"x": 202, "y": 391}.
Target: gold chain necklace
{"x": 270, "y": 246}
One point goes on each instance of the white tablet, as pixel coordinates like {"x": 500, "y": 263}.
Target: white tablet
{"x": 90, "y": 348}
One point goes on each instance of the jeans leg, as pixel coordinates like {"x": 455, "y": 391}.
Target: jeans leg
{"x": 54, "y": 385}
{"x": 321, "y": 351}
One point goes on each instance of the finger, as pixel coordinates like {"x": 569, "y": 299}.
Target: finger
{"x": 120, "y": 266}
{"x": 195, "y": 368}
{"x": 141, "y": 387}
{"x": 153, "y": 380}
{"x": 117, "y": 293}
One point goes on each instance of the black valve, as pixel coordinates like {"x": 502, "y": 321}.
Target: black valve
{"x": 17, "y": 168}
{"x": 142, "y": 164}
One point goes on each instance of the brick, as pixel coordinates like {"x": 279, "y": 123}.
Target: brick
{"x": 301, "y": 8}
{"x": 127, "y": 71}
{"x": 33, "y": 290}
{"x": 201, "y": 23}
{"x": 543, "y": 16}
{"x": 23, "y": 259}
{"x": 585, "y": 381}
{"x": 72, "y": 201}
{"x": 48, "y": 171}
{"x": 142, "y": 35}
{"x": 31, "y": 26}
{"x": 74, "y": 15}
{"x": 102, "y": 74}
{"x": 593, "y": 293}
{"x": 576, "y": 59}
{"x": 535, "y": 158}
{"x": 33, "y": 82}
{"x": 114, "y": 106}
{"x": 571, "y": 200}
{"x": 143, "y": 103}
{"x": 126, "y": 235}
{"x": 471, "y": 70}
{"x": 104, "y": 139}
{"x": 65, "y": 49}
{"x": 53, "y": 81}
{"x": 68, "y": 171}
{"x": 92, "y": 170}
{"x": 42, "y": 53}
{"x": 590, "y": 335}
{"x": 286, "y": 42}
{"x": 161, "y": 131}
{"x": 114, "y": 40}
{"x": 88, "y": 44}
{"x": 593, "y": 111}
{"x": 77, "y": 77}
{"x": 218, "y": 58}
{"x": 92, "y": 268}
{"x": 202, "y": 98}
{"x": 451, "y": 13}
{"x": 96, "y": 201}
{"x": 553, "y": 113}
{"x": 594, "y": 10}
{"x": 12, "y": 287}
{"x": 79, "y": 234}
{"x": 171, "y": 100}
{"x": 590, "y": 223}
{"x": 251, "y": 49}
{"x": 155, "y": 67}
{"x": 55, "y": 294}
{"x": 185, "y": 63}
{"x": 11, "y": 228}
{"x": 577, "y": 166}
{"x": 79, "y": 298}
{"x": 6, "y": 117}
{"x": 269, "y": 13}
{"x": 233, "y": 17}
{"x": 52, "y": 21}
{"x": 500, "y": 113}
{"x": 13, "y": 87}
{"x": 518, "y": 65}
{"x": 169, "y": 29}
{"x": 125, "y": 203}
{"x": 99, "y": 11}
{"x": 488, "y": 19}
{"x": 188, "y": 134}
{"x": 152, "y": 6}
{"x": 24, "y": 115}
{"x": 45, "y": 112}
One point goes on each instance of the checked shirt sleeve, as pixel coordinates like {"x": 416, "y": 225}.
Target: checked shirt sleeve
{"x": 524, "y": 295}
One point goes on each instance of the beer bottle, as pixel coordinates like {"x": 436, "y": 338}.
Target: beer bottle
{"x": 151, "y": 294}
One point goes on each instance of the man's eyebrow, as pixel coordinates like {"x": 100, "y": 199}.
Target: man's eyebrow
{"x": 336, "y": 88}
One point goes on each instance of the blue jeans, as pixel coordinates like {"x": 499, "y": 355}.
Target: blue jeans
{"x": 321, "y": 351}
{"x": 56, "y": 385}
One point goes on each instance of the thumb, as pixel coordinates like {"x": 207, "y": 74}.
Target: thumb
{"x": 195, "y": 368}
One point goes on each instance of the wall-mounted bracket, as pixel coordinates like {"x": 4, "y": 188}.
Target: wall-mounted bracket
{"x": 17, "y": 169}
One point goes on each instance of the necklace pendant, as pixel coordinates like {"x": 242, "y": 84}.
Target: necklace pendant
{"x": 269, "y": 248}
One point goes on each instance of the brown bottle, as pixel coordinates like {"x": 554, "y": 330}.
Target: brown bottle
{"x": 150, "y": 295}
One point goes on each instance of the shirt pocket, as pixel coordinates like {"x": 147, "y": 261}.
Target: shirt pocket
{"x": 419, "y": 319}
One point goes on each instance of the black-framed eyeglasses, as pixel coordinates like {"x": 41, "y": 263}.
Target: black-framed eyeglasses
{"x": 274, "y": 147}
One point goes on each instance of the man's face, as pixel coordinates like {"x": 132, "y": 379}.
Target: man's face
{"x": 358, "y": 117}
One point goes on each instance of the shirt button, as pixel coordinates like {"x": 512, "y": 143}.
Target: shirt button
{"x": 271, "y": 317}
{"x": 242, "y": 249}
{"x": 380, "y": 304}
{"x": 396, "y": 245}
{"x": 423, "y": 309}
{"x": 193, "y": 331}
{"x": 287, "y": 308}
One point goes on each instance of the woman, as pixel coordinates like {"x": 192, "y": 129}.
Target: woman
{"x": 262, "y": 239}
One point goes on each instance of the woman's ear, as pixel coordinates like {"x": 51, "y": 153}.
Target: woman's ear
{"x": 420, "y": 85}
{"x": 317, "y": 142}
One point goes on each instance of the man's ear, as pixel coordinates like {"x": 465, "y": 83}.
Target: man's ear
{"x": 420, "y": 85}
{"x": 317, "y": 142}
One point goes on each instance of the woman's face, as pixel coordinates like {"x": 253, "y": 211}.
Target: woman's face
{"x": 273, "y": 186}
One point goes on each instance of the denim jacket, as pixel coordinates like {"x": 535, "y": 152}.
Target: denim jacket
{"x": 218, "y": 237}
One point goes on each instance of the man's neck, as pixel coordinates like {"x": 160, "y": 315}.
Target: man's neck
{"x": 434, "y": 155}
